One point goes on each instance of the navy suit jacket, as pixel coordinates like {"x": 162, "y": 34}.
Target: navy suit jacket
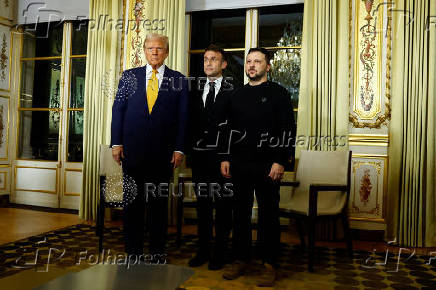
{"x": 149, "y": 140}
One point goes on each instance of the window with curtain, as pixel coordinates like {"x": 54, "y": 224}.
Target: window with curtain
{"x": 225, "y": 28}
{"x": 77, "y": 67}
{"x": 53, "y": 58}
{"x": 280, "y": 31}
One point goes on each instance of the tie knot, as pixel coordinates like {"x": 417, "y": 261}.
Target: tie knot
{"x": 154, "y": 71}
{"x": 212, "y": 85}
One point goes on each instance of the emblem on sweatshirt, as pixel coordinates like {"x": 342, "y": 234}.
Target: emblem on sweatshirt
{"x": 263, "y": 99}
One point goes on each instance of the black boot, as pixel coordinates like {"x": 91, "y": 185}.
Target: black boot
{"x": 199, "y": 259}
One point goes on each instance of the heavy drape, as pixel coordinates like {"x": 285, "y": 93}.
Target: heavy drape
{"x": 412, "y": 175}
{"x": 324, "y": 101}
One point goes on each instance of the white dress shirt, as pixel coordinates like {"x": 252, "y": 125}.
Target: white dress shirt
{"x": 218, "y": 82}
{"x": 159, "y": 74}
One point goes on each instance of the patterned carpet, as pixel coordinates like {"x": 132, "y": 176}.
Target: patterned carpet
{"x": 333, "y": 270}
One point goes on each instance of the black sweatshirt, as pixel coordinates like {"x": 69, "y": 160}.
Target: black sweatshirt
{"x": 259, "y": 125}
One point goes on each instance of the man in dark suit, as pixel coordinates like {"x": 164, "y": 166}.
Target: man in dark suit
{"x": 149, "y": 119}
{"x": 204, "y": 102}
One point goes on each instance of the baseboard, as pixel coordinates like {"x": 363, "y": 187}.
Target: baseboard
{"x": 4, "y": 200}
{"x": 368, "y": 235}
{"x": 42, "y": 208}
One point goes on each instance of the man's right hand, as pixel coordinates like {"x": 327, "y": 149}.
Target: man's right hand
{"x": 117, "y": 153}
{"x": 225, "y": 169}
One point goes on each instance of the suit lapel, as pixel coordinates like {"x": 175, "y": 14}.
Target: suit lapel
{"x": 162, "y": 93}
{"x": 220, "y": 93}
{"x": 199, "y": 99}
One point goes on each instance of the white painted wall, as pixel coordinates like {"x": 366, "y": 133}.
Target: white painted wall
{"x": 28, "y": 11}
{"x": 199, "y": 5}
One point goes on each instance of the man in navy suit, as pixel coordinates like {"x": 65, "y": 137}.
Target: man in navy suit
{"x": 149, "y": 118}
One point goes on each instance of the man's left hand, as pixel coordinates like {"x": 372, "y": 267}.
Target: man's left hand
{"x": 276, "y": 172}
{"x": 177, "y": 159}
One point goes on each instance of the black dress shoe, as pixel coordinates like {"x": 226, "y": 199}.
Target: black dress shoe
{"x": 198, "y": 260}
{"x": 216, "y": 263}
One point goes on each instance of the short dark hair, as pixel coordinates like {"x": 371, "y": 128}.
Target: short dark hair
{"x": 216, "y": 48}
{"x": 263, "y": 51}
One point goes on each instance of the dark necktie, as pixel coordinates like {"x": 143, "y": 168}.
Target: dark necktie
{"x": 210, "y": 97}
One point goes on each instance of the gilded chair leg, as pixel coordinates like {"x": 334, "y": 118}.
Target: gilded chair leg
{"x": 311, "y": 235}
{"x": 347, "y": 232}
{"x": 300, "y": 230}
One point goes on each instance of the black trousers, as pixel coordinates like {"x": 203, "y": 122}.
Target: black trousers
{"x": 248, "y": 178}
{"x": 149, "y": 207}
{"x": 210, "y": 190}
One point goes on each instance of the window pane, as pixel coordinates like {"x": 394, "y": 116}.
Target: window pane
{"x": 39, "y": 135}
{"x": 235, "y": 67}
{"x": 42, "y": 39}
{"x": 75, "y": 136}
{"x": 223, "y": 28}
{"x": 40, "y": 84}
{"x": 77, "y": 85}
{"x": 285, "y": 70}
{"x": 280, "y": 26}
{"x": 79, "y": 38}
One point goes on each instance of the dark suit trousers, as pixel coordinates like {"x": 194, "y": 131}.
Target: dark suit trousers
{"x": 206, "y": 173}
{"x": 152, "y": 206}
{"x": 249, "y": 177}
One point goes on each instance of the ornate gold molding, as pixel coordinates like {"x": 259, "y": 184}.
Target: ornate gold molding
{"x": 384, "y": 118}
{"x": 5, "y": 174}
{"x": 368, "y": 137}
{"x": 383, "y": 159}
{"x": 368, "y": 140}
{"x": 36, "y": 190}
{"x": 9, "y": 59}
{"x": 65, "y": 181}
{"x": 122, "y": 40}
{"x": 6, "y": 128}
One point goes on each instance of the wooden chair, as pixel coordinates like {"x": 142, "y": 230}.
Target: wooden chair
{"x": 109, "y": 169}
{"x": 182, "y": 202}
{"x": 321, "y": 190}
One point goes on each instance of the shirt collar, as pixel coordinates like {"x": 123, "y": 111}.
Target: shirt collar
{"x": 217, "y": 81}
{"x": 160, "y": 70}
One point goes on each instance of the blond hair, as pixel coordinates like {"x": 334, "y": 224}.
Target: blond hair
{"x": 161, "y": 37}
